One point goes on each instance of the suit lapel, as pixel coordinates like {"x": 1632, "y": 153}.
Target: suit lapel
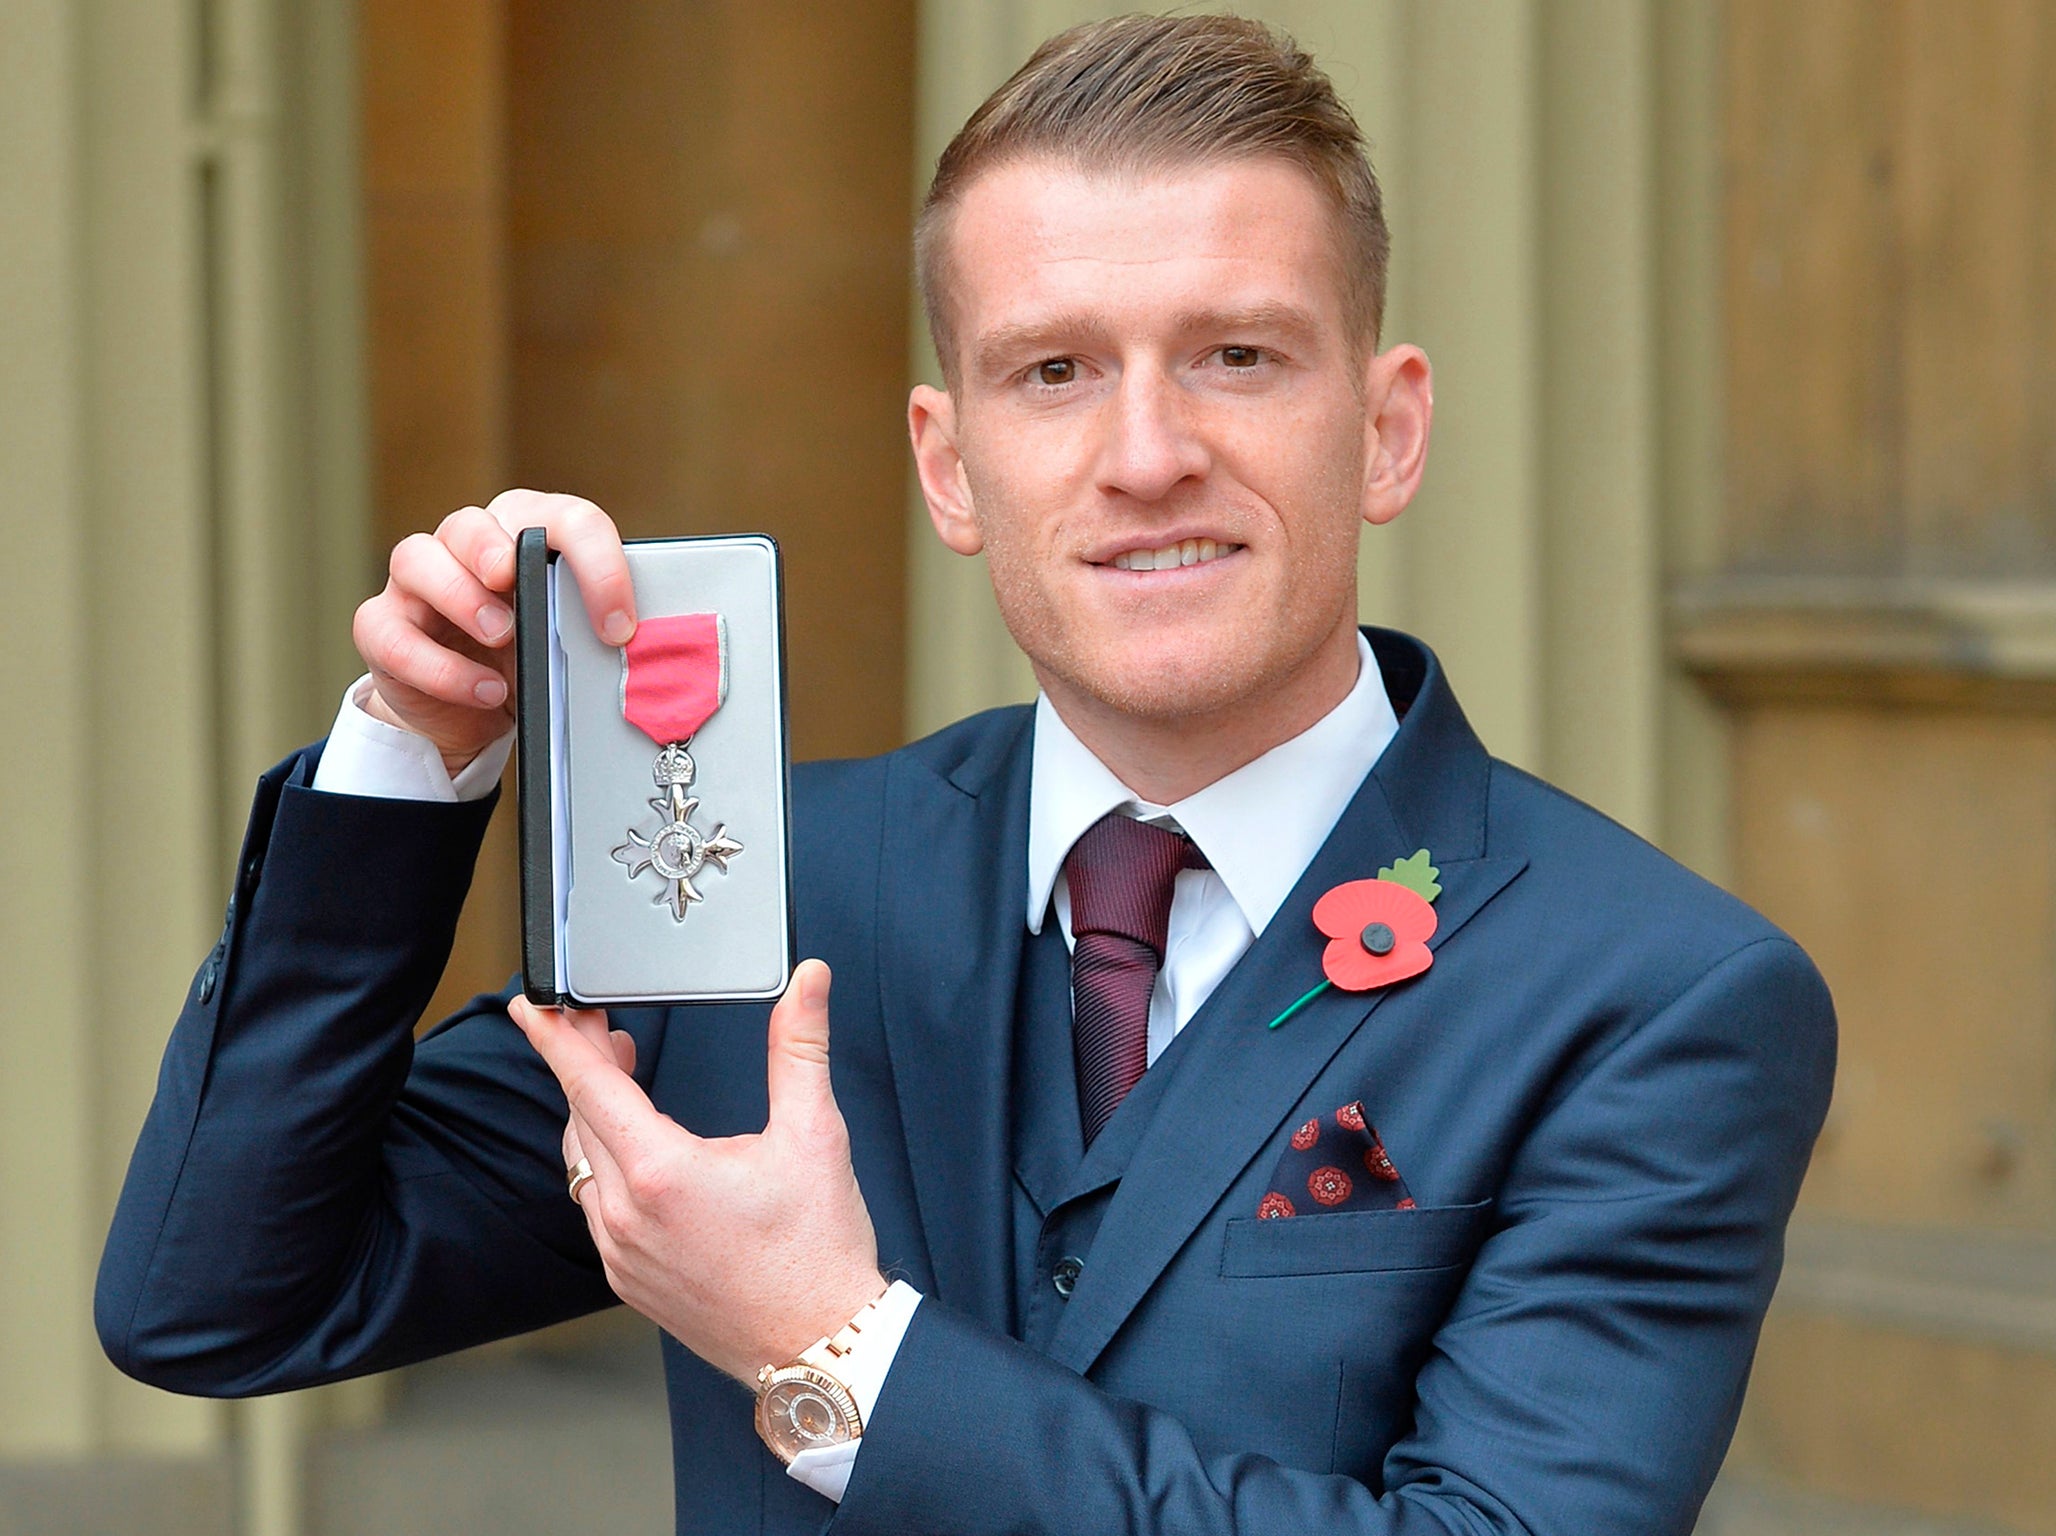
{"x": 950, "y": 934}
{"x": 1232, "y": 1081}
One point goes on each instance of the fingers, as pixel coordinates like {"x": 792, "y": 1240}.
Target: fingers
{"x": 797, "y": 1068}
{"x": 574, "y": 1148}
{"x": 614, "y": 1118}
{"x": 619, "y": 1044}
{"x": 620, "y": 1047}
{"x": 413, "y": 636}
{"x": 429, "y": 637}
{"x": 590, "y": 544}
{"x": 591, "y": 1023}
{"x": 607, "y": 1179}
{"x": 483, "y": 543}
{"x": 403, "y": 658}
{"x": 571, "y": 1041}
{"x": 425, "y": 567}
{"x": 573, "y": 1027}
{"x": 589, "y": 1198}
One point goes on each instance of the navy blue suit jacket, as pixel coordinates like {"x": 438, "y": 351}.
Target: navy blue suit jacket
{"x": 1602, "y": 1094}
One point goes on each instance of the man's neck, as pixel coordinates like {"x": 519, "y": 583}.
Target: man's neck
{"x": 1164, "y": 760}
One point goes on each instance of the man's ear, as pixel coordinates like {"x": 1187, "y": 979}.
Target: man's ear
{"x": 932, "y": 424}
{"x": 1399, "y": 400}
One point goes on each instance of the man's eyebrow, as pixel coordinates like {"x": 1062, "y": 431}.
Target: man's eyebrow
{"x": 1271, "y": 317}
{"x": 1048, "y": 335}
{"x": 999, "y": 347}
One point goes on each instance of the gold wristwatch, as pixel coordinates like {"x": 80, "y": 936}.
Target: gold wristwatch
{"x": 805, "y": 1406}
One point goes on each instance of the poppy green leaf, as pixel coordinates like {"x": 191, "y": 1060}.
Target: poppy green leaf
{"x": 1416, "y": 873}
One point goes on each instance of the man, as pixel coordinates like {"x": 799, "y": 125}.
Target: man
{"x": 1478, "y": 1239}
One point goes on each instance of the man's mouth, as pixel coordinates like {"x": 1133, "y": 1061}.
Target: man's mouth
{"x": 1170, "y": 556}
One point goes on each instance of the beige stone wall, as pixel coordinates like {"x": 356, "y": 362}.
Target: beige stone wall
{"x": 181, "y": 428}
{"x": 180, "y": 442}
{"x": 182, "y": 439}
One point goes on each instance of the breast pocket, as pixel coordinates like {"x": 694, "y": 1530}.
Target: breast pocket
{"x": 1354, "y": 1242}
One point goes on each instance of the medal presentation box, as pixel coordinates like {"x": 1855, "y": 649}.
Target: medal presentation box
{"x": 653, "y": 779}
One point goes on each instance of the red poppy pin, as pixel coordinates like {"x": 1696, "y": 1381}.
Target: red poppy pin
{"x": 1378, "y": 930}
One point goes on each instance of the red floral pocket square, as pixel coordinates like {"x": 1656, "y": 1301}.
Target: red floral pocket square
{"x": 1335, "y": 1163}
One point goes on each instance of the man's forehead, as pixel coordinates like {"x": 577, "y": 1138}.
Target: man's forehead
{"x": 1231, "y": 234}
{"x": 1052, "y": 208}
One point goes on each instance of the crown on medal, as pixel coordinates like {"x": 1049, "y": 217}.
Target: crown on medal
{"x": 673, "y": 766}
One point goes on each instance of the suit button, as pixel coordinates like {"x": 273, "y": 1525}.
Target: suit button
{"x": 1065, "y": 1276}
{"x": 208, "y": 974}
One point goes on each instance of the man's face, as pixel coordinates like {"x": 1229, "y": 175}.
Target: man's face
{"x": 1161, "y": 433}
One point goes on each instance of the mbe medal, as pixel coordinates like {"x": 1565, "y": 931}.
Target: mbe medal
{"x": 674, "y": 675}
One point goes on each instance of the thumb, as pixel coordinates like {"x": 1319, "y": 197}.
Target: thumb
{"x": 798, "y": 1065}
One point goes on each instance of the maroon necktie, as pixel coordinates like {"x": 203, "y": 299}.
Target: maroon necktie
{"x": 1121, "y": 874}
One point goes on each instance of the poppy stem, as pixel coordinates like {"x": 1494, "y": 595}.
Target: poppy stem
{"x": 1309, "y": 997}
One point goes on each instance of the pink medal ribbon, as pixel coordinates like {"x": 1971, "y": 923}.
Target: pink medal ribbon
{"x": 674, "y": 675}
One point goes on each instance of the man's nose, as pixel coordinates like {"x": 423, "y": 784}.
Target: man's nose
{"x": 1153, "y": 441}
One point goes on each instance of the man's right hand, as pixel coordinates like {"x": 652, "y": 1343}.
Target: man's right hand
{"x": 436, "y": 640}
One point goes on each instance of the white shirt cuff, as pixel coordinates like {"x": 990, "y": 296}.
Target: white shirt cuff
{"x": 367, "y": 756}
{"x": 862, "y": 1370}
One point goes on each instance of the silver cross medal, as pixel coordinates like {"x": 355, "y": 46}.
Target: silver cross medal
{"x": 679, "y": 850}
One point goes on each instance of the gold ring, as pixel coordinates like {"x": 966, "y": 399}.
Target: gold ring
{"x": 577, "y": 1176}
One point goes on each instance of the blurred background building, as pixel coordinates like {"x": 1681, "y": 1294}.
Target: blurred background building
{"x": 1741, "y": 523}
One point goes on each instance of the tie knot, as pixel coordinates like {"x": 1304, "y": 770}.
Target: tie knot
{"x": 1121, "y": 874}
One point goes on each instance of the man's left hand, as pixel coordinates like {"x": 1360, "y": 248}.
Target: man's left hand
{"x": 746, "y": 1249}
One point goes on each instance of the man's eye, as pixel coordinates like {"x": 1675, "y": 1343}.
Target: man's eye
{"x": 1241, "y": 357}
{"x": 1057, "y": 370}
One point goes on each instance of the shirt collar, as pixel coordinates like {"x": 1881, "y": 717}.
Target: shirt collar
{"x": 1259, "y": 826}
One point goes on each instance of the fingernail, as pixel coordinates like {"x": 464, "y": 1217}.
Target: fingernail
{"x": 618, "y": 627}
{"x": 814, "y": 987}
{"x": 492, "y": 693}
{"x": 494, "y": 620}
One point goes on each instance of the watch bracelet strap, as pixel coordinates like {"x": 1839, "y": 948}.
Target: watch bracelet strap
{"x": 825, "y": 1354}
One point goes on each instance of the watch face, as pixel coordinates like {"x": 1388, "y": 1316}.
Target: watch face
{"x": 801, "y": 1409}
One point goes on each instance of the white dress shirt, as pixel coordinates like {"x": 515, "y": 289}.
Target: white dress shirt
{"x": 1259, "y": 828}
{"x": 367, "y": 756}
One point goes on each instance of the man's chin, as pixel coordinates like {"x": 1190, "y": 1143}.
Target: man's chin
{"x": 1169, "y": 695}
{"x": 1201, "y": 675}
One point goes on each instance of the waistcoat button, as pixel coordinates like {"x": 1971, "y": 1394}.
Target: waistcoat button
{"x": 1065, "y": 1276}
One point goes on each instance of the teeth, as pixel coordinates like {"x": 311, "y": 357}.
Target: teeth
{"x": 1185, "y": 552}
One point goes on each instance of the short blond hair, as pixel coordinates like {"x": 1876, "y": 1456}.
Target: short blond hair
{"x": 1137, "y": 94}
